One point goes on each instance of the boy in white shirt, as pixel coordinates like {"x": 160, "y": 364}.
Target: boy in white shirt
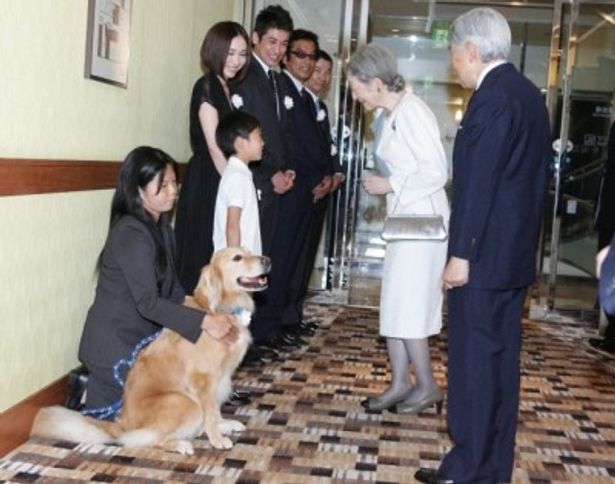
{"x": 236, "y": 220}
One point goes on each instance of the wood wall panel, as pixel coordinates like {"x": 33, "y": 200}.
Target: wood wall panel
{"x": 20, "y": 176}
{"x": 26, "y": 177}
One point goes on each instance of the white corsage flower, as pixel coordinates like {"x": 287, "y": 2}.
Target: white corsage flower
{"x": 345, "y": 132}
{"x": 333, "y": 149}
{"x": 288, "y": 102}
{"x": 237, "y": 101}
{"x": 321, "y": 115}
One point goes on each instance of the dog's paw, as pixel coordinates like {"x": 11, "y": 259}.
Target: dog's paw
{"x": 184, "y": 447}
{"x": 229, "y": 426}
{"x": 221, "y": 442}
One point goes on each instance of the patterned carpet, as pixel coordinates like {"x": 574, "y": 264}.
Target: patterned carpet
{"x": 305, "y": 424}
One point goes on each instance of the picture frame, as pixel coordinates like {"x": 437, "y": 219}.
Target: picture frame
{"x": 108, "y": 41}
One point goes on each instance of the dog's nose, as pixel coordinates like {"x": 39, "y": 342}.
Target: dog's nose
{"x": 266, "y": 261}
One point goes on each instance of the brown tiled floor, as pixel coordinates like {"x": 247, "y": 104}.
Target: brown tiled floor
{"x": 306, "y": 425}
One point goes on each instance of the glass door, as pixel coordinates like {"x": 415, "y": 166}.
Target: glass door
{"x": 341, "y": 25}
{"x": 580, "y": 98}
{"x": 566, "y": 47}
{"x": 417, "y": 33}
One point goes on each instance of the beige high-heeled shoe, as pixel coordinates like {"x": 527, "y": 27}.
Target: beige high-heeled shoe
{"x": 374, "y": 403}
{"x": 434, "y": 398}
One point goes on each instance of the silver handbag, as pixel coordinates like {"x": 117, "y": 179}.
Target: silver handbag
{"x": 413, "y": 226}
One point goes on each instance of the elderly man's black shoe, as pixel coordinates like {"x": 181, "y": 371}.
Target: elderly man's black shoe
{"x": 607, "y": 344}
{"x": 430, "y": 476}
{"x": 596, "y": 343}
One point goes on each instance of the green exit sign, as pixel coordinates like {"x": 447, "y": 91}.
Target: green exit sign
{"x": 439, "y": 36}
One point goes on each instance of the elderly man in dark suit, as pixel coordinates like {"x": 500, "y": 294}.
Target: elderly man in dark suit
{"x": 605, "y": 225}
{"x": 262, "y": 94}
{"x": 500, "y": 174}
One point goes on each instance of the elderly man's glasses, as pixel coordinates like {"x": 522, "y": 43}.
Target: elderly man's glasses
{"x": 303, "y": 55}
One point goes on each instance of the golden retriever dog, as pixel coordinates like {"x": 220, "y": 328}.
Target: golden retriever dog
{"x": 175, "y": 389}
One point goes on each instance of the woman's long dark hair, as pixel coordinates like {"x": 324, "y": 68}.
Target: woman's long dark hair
{"x": 141, "y": 166}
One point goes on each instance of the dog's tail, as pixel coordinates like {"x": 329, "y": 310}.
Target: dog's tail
{"x": 62, "y": 423}
{"x": 139, "y": 438}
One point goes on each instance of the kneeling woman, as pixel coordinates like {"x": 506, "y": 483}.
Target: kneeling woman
{"x": 138, "y": 291}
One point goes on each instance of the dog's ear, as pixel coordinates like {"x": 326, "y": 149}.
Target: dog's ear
{"x": 207, "y": 291}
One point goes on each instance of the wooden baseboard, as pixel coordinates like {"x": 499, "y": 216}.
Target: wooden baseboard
{"x": 15, "y": 423}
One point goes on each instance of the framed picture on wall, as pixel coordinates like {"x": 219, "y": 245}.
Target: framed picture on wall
{"x": 108, "y": 41}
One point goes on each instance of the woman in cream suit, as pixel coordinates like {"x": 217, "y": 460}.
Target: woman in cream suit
{"x": 413, "y": 174}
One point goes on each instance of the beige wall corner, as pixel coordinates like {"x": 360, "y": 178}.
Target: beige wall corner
{"x": 49, "y": 243}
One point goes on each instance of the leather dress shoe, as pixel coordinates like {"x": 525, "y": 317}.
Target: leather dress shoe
{"x": 293, "y": 338}
{"x": 238, "y": 398}
{"x": 253, "y": 358}
{"x": 431, "y": 476}
{"x": 300, "y": 329}
{"x": 596, "y": 343}
{"x": 311, "y": 324}
{"x": 607, "y": 345}
{"x": 77, "y": 383}
{"x": 434, "y": 398}
{"x": 283, "y": 342}
{"x": 375, "y": 403}
{"x": 268, "y": 354}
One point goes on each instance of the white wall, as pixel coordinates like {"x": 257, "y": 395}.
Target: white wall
{"x": 49, "y": 243}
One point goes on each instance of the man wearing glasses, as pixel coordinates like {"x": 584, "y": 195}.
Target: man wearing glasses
{"x": 311, "y": 154}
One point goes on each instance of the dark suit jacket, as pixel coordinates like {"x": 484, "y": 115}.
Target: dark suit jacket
{"x": 258, "y": 100}
{"x": 325, "y": 127}
{"x": 129, "y": 305}
{"x": 309, "y": 147}
{"x": 605, "y": 216}
{"x": 500, "y": 174}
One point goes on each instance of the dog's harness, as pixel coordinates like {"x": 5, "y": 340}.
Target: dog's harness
{"x": 112, "y": 412}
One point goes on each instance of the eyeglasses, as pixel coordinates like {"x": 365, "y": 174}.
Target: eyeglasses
{"x": 303, "y": 55}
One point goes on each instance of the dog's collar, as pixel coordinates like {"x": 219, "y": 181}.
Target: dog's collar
{"x": 243, "y": 315}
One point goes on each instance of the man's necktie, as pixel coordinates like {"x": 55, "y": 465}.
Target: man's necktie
{"x": 309, "y": 101}
{"x": 274, "y": 90}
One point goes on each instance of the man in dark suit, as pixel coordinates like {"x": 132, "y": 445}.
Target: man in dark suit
{"x": 317, "y": 85}
{"x": 605, "y": 225}
{"x": 262, "y": 94}
{"x": 500, "y": 175}
{"x": 313, "y": 175}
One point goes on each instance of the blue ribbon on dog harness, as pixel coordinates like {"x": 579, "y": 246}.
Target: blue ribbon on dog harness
{"x": 113, "y": 411}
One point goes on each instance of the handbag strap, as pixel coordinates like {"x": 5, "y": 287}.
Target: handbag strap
{"x": 433, "y": 207}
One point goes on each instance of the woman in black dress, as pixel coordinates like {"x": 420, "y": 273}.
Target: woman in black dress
{"x": 224, "y": 55}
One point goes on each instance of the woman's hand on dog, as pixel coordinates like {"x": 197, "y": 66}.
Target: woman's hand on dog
{"x": 221, "y": 326}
